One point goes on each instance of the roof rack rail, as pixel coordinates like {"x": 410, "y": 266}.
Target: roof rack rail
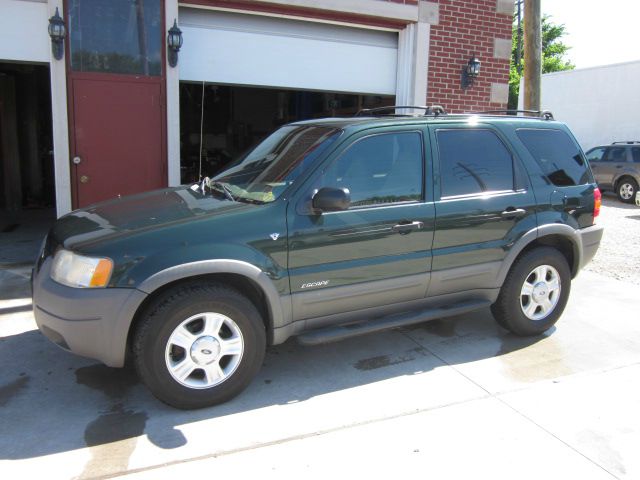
{"x": 626, "y": 142}
{"x": 544, "y": 114}
{"x": 434, "y": 110}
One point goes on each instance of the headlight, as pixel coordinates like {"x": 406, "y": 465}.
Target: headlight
{"x": 79, "y": 271}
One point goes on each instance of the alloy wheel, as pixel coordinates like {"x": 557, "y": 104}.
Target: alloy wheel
{"x": 540, "y": 292}
{"x": 204, "y": 350}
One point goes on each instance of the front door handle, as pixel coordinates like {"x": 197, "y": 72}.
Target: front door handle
{"x": 512, "y": 212}
{"x": 404, "y": 228}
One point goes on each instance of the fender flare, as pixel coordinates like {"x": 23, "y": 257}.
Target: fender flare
{"x": 277, "y": 314}
{"x": 540, "y": 232}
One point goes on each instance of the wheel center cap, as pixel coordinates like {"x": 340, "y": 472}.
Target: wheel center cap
{"x": 205, "y": 350}
{"x": 540, "y": 291}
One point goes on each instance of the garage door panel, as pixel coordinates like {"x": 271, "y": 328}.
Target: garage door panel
{"x": 220, "y": 47}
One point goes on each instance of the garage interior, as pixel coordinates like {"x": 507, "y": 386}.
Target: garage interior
{"x": 27, "y": 186}
{"x": 26, "y": 155}
{"x": 234, "y": 119}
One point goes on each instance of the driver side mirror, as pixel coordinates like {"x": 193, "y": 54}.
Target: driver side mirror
{"x": 329, "y": 199}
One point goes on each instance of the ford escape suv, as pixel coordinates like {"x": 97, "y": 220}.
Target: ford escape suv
{"x": 327, "y": 229}
{"x": 616, "y": 167}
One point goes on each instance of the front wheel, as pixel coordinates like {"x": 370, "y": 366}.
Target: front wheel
{"x": 535, "y": 292}
{"x": 200, "y": 345}
{"x": 627, "y": 188}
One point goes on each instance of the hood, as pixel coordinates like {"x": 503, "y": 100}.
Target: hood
{"x": 136, "y": 213}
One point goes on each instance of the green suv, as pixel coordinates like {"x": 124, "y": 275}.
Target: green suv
{"x": 327, "y": 229}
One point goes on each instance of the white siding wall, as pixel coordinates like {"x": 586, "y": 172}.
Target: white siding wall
{"x": 600, "y": 104}
{"x": 23, "y": 26}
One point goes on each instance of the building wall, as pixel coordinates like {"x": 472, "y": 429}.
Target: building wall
{"x": 600, "y": 104}
{"x": 466, "y": 27}
{"x": 23, "y": 31}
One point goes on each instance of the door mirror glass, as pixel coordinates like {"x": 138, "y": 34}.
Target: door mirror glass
{"x": 330, "y": 199}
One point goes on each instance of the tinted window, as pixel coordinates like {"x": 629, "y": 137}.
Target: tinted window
{"x": 380, "y": 169}
{"x": 116, "y": 37}
{"x": 473, "y": 161}
{"x": 558, "y": 156}
{"x": 635, "y": 152}
{"x": 275, "y": 163}
{"x": 615, "y": 154}
{"x": 595, "y": 155}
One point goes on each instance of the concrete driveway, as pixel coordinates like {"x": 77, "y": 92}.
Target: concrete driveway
{"x": 446, "y": 399}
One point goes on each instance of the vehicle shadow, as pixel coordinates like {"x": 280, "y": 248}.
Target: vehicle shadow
{"x": 53, "y": 402}
{"x": 610, "y": 200}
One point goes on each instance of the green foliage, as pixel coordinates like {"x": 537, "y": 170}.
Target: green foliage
{"x": 553, "y": 56}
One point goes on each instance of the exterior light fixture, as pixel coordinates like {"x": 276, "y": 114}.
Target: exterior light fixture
{"x": 57, "y": 32}
{"x": 174, "y": 42}
{"x": 470, "y": 72}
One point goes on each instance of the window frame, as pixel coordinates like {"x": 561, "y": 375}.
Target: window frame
{"x": 518, "y": 183}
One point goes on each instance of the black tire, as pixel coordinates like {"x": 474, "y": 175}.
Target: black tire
{"x": 167, "y": 314}
{"x": 626, "y": 189}
{"x": 508, "y": 310}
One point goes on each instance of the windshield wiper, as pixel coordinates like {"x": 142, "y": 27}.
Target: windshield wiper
{"x": 223, "y": 188}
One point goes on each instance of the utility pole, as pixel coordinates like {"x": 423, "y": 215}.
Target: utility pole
{"x": 532, "y": 54}
{"x": 519, "y": 38}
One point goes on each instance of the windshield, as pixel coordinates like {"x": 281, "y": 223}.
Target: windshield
{"x": 275, "y": 163}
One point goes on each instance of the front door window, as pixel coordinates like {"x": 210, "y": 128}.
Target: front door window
{"x": 380, "y": 169}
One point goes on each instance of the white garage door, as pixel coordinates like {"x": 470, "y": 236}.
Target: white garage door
{"x": 231, "y": 48}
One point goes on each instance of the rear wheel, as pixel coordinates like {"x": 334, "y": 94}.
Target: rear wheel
{"x": 535, "y": 292}
{"x": 200, "y": 345}
{"x": 627, "y": 188}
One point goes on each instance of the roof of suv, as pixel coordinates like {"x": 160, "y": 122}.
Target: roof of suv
{"x": 390, "y": 120}
{"x": 624, "y": 144}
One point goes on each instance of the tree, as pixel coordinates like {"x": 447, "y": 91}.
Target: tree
{"x": 553, "y": 56}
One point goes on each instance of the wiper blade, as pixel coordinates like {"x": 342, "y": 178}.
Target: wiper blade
{"x": 223, "y": 188}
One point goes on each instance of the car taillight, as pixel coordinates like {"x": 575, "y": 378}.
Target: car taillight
{"x": 597, "y": 203}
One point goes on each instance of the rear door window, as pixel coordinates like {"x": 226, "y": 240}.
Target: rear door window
{"x": 615, "y": 154}
{"x": 635, "y": 153}
{"x": 558, "y": 155}
{"x": 473, "y": 161}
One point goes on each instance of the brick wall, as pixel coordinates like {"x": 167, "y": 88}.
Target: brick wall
{"x": 465, "y": 27}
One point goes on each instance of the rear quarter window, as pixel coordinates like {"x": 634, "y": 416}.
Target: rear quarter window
{"x": 558, "y": 155}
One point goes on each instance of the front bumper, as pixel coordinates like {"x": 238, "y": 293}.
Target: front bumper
{"x": 93, "y": 323}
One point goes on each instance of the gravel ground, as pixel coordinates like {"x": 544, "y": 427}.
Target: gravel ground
{"x": 619, "y": 253}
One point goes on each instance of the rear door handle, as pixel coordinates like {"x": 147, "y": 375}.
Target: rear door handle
{"x": 404, "y": 228}
{"x": 512, "y": 212}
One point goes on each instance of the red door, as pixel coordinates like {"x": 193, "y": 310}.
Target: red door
{"x": 116, "y": 89}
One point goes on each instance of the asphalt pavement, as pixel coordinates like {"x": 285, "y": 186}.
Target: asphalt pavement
{"x": 459, "y": 398}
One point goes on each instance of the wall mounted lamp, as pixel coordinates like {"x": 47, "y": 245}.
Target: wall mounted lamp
{"x": 470, "y": 72}
{"x": 174, "y": 42}
{"x": 57, "y": 32}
